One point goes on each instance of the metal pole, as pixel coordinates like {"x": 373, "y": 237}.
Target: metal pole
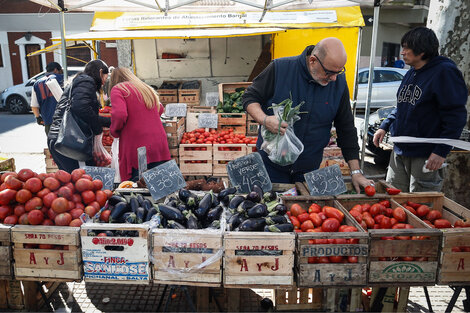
{"x": 375, "y": 26}
{"x": 63, "y": 43}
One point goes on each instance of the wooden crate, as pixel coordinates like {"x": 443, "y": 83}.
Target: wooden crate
{"x": 297, "y": 299}
{"x": 452, "y": 269}
{"x": 193, "y": 114}
{"x": 251, "y": 126}
{"x": 174, "y": 129}
{"x": 51, "y": 166}
{"x": 174, "y": 153}
{"x": 332, "y": 152}
{"x": 11, "y": 295}
{"x": 43, "y": 264}
{"x": 310, "y": 274}
{"x": 187, "y": 257}
{"x": 235, "y": 121}
{"x": 169, "y": 95}
{"x": 188, "y": 154}
{"x": 230, "y": 88}
{"x": 5, "y": 252}
{"x": 117, "y": 259}
{"x": 386, "y": 267}
{"x": 258, "y": 259}
{"x": 250, "y": 148}
{"x": 190, "y": 96}
{"x": 380, "y": 191}
{"x": 343, "y": 165}
{"x": 7, "y": 165}
{"x": 222, "y": 155}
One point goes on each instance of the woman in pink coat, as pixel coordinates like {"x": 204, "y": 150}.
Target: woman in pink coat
{"x": 135, "y": 120}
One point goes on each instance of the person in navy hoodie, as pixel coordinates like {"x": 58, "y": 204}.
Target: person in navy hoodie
{"x": 430, "y": 104}
{"x": 316, "y": 77}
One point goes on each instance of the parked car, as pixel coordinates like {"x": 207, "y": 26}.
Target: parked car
{"x": 17, "y": 99}
{"x": 384, "y": 86}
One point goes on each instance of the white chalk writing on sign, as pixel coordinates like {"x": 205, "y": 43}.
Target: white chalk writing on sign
{"x": 105, "y": 174}
{"x": 209, "y": 120}
{"x": 175, "y": 109}
{"x": 164, "y": 179}
{"x": 327, "y": 181}
{"x": 247, "y": 171}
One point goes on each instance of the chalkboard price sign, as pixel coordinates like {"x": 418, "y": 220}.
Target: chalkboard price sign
{"x": 105, "y": 174}
{"x": 212, "y": 99}
{"x": 175, "y": 109}
{"x": 327, "y": 181}
{"x": 164, "y": 179}
{"x": 208, "y": 120}
{"x": 247, "y": 171}
{"x": 142, "y": 159}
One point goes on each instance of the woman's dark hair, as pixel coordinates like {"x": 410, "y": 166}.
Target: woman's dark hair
{"x": 421, "y": 40}
{"x": 93, "y": 68}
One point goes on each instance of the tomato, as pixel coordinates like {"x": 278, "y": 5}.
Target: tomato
{"x": 5, "y": 211}
{"x": 63, "y": 219}
{"x": 385, "y": 223}
{"x": 402, "y": 237}
{"x": 385, "y": 203}
{"x": 330, "y": 225}
{"x": 378, "y": 218}
{"x": 413, "y": 204}
{"x": 365, "y": 207}
{"x": 33, "y": 203}
{"x": 11, "y": 220}
{"x": 296, "y": 209}
{"x": 348, "y": 229}
{"x": 357, "y": 215}
{"x": 370, "y": 222}
{"x": 341, "y": 228}
{"x": 295, "y": 222}
{"x": 442, "y": 223}
{"x": 336, "y": 258}
{"x": 333, "y": 212}
{"x": 314, "y": 208}
{"x": 316, "y": 219}
{"x": 60, "y": 205}
{"x": 353, "y": 259}
{"x": 409, "y": 208}
{"x": 306, "y": 225}
{"x": 35, "y": 217}
{"x": 323, "y": 259}
{"x": 393, "y": 191}
{"x": 369, "y": 191}
{"x": 431, "y": 216}
{"x": 399, "y": 214}
{"x": 357, "y": 207}
{"x": 422, "y": 210}
{"x": 388, "y": 212}
{"x": 312, "y": 260}
{"x": 340, "y": 241}
{"x": 376, "y": 209}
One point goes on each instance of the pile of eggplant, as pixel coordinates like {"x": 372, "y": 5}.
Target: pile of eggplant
{"x": 134, "y": 209}
{"x": 257, "y": 211}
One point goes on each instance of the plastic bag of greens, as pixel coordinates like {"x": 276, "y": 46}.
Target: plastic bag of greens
{"x": 283, "y": 149}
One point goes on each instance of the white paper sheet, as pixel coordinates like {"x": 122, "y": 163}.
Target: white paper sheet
{"x": 451, "y": 142}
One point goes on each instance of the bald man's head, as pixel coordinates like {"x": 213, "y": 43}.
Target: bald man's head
{"x": 327, "y": 60}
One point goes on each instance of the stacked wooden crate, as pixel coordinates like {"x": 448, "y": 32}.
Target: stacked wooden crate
{"x": 51, "y": 166}
{"x": 251, "y": 126}
{"x": 5, "y": 252}
{"x": 169, "y": 95}
{"x": 224, "y": 153}
{"x": 192, "y": 116}
{"x": 190, "y": 96}
{"x": 7, "y": 165}
{"x": 174, "y": 128}
{"x": 195, "y": 159}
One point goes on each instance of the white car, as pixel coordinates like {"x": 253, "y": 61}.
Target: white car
{"x": 384, "y": 86}
{"x": 17, "y": 99}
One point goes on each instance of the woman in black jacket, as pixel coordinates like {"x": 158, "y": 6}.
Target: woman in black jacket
{"x": 84, "y": 107}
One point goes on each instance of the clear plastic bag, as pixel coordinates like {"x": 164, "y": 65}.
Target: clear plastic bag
{"x": 115, "y": 161}
{"x": 101, "y": 157}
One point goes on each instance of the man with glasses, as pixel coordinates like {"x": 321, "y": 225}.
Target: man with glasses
{"x": 317, "y": 78}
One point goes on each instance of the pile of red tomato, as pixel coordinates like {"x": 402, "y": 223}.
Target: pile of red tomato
{"x": 201, "y": 136}
{"x": 56, "y": 198}
{"x": 107, "y": 139}
{"x": 323, "y": 219}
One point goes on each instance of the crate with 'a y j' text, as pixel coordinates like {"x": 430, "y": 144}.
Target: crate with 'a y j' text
{"x": 47, "y": 253}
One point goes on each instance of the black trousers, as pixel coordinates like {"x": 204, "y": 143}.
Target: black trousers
{"x": 64, "y": 163}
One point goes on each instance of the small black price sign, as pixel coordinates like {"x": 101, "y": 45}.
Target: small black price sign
{"x": 105, "y": 174}
{"x": 247, "y": 171}
{"x": 327, "y": 181}
{"x": 142, "y": 159}
{"x": 164, "y": 179}
{"x": 175, "y": 109}
{"x": 207, "y": 120}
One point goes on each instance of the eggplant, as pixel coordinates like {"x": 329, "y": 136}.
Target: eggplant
{"x": 276, "y": 219}
{"x": 147, "y": 204}
{"x": 269, "y": 196}
{"x": 252, "y": 224}
{"x": 226, "y": 192}
{"x": 226, "y": 200}
{"x": 245, "y": 205}
{"x": 170, "y": 213}
{"x": 175, "y": 225}
{"x": 184, "y": 195}
{"x": 134, "y": 204}
{"x": 173, "y": 203}
{"x": 141, "y": 213}
{"x": 258, "y": 190}
{"x": 109, "y": 233}
{"x": 254, "y": 196}
{"x": 140, "y": 198}
{"x": 115, "y": 199}
{"x": 280, "y": 209}
{"x": 204, "y": 205}
{"x": 118, "y": 211}
{"x": 191, "y": 220}
{"x": 150, "y": 213}
{"x": 130, "y": 218}
{"x": 215, "y": 224}
{"x": 215, "y": 213}
{"x": 215, "y": 201}
{"x": 259, "y": 210}
{"x": 192, "y": 203}
{"x": 235, "y": 202}
{"x": 182, "y": 207}
{"x": 234, "y": 221}
{"x": 279, "y": 228}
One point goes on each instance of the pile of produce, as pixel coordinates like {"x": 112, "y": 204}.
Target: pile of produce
{"x": 232, "y": 102}
{"x": 205, "y": 185}
{"x": 169, "y": 85}
{"x": 257, "y": 211}
{"x": 200, "y": 136}
{"x": 107, "y": 139}
{"x": 380, "y": 216}
{"x": 56, "y": 198}
{"x": 326, "y": 219}
{"x": 190, "y": 84}
{"x": 430, "y": 216}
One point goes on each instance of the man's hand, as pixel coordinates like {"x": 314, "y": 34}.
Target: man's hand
{"x": 359, "y": 181}
{"x": 272, "y": 124}
{"x": 39, "y": 120}
{"x": 379, "y": 136}
{"x": 434, "y": 162}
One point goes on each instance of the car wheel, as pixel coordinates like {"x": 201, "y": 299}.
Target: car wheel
{"x": 17, "y": 105}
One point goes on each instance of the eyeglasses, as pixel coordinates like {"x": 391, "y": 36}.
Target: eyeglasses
{"x": 328, "y": 72}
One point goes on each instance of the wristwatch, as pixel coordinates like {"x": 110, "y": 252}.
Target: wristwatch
{"x": 356, "y": 172}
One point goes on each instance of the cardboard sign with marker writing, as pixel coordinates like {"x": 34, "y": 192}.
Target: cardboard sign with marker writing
{"x": 142, "y": 159}
{"x": 164, "y": 179}
{"x": 105, "y": 174}
{"x": 207, "y": 120}
{"x": 247, "y": 171}
{"x": 175, "y": 109}
{"x": 327, "y": 181}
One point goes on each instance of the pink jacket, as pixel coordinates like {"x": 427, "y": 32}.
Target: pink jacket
{"x": 136, "y": 126}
